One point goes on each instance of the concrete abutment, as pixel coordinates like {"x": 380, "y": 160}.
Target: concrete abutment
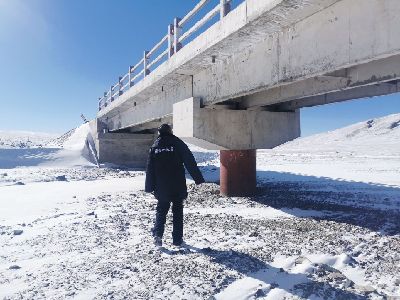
{"x": 124, "y": 149}
{"x": 127, "y": 149}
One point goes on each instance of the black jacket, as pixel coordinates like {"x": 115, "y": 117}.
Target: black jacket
{"x": 165, "y": 174}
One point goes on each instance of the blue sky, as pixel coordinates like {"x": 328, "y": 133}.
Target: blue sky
{"x": 58, "y": 56}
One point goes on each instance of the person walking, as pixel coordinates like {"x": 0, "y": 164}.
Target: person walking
{"x": 165, "y": 176}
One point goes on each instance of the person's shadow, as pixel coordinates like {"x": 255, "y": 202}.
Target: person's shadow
{"x": 295, "y": 283}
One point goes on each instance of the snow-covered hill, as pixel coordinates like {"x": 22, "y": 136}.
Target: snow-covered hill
{"x": 24, "y": 139}
{"x": 374, "y": 137}
{"x": 367, "y": 152}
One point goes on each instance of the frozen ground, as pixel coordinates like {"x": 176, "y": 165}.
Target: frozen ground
{"x": 325, "y": 225}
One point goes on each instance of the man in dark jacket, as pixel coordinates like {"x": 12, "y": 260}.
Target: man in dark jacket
{"x": 165, "y": 176}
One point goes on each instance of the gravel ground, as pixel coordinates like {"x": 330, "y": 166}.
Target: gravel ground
{"x": 106, "y": 251}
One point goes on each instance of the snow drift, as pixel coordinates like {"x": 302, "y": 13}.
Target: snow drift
{"x": 26, "y": 149}
{"x": 77, "y": 149}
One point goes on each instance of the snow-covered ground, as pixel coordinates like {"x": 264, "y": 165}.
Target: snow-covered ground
{"x": 324, "y": 225}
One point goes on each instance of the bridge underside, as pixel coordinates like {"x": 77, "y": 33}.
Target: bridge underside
{"x": 240, "y": 85}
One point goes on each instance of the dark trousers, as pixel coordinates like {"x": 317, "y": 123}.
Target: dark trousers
{"x": 161, "y": 217}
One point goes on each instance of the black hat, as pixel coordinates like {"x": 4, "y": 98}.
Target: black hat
{"x": 164, "y": 129}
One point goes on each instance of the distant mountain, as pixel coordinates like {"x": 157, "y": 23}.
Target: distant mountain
{"x": 24, "y": 139}
{"x": 380, "y": 136}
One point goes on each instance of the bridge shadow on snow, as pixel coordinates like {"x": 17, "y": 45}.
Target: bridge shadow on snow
{"x": 372, "y": 206}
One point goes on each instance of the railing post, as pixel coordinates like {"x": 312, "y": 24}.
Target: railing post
{"x": 145, "y": 63}
{"x": 111, "y": 93}
{"x": 105, "y": 99}
{"x": 225, "y": 8}
{"x": 170, "y": 40}
{"x": 120, "y": 91}
{"x": 99, "y": 103}
{"x": 177, "y": 34}
{"x": 130, "y": 77}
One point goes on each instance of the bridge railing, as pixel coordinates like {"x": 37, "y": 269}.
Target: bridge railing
{"x": 170, "y": 44}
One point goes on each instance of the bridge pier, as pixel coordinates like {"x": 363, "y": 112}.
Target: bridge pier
{"x": 237, "y": 134}
{"x": 238, "y": 172}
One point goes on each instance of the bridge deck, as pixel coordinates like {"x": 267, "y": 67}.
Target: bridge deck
{"x": 248, "y": 24}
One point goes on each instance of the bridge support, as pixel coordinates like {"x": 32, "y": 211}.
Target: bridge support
{"x": 237, "y": 133}
{"x": 238, "y": 173}
{"x": 122, "y": 149}
{"x": 219, "y": 128}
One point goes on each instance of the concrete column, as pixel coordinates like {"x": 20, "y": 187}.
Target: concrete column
{"x": 225, "y": 8}
{"x": 145, "y": 63}
{"x": 177, "y": 35}
{"x": 171, "y": 47}
{"x": 238, "y": 173}
{"x": 111, "y": 93}
{"x": 130, "y": 76}
{"x": 120, "y": 85}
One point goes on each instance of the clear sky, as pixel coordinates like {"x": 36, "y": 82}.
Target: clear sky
{"x": 58, "y": 56}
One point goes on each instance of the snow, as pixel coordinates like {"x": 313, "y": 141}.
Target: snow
{"x": 72, "y": 152}
{"x": 20, "y": 203}
{"x": 286, "y": 273}
{"x": 324, "y": 225}
{"x": 341, "y": 154}
{"x": 377, "y": 137}
{"x": 75, "y": 150}
{"x": 24, "y": 139}
{"x": 257, "y": 213}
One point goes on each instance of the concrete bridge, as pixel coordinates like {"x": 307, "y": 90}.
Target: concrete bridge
{"x": 238, "y": 86}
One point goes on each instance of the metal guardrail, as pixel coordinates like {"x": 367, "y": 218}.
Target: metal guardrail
{"x": 174, "y": 40}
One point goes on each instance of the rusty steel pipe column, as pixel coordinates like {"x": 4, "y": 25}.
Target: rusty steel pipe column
{"x": 238, "y": 173}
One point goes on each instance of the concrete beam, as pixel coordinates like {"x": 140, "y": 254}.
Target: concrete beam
{"x": 346, "y": 34}
{"x": 371, "y": 73}
{"x": 155, "y": 107}
{"x": 313, "y": 86}
{"x": 338, "y": 82}
{"x": 221, "y": 129}
{"x": 355, "y": 93}
{"x": 152, "y": 125}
